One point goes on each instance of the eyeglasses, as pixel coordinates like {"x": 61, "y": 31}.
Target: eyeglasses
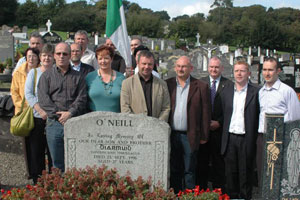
{"x": 61, "y": 53}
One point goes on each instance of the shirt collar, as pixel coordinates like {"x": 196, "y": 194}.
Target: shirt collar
{"x": 76, "y": 67}
{"x": 275, "y": 86}
{"x": 142, "y": 79}
{"x": 217, "y": 79}
{"x": 187, "y": 81}
{"x": 243, "y": 89}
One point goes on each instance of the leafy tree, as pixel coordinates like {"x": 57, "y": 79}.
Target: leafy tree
{"x": 222, "y": 3}
{"x": 7, "y": 11}
{"x": 28, "y": 14}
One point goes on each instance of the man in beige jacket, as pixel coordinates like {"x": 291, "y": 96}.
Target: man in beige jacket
{"x": 145, "y": 93}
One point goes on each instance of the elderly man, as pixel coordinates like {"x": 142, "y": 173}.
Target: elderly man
{"x": 35, "y": 41}
{"x": 212, "y": 149}
{"x": 274, "y": 97}
{"x": 118, "y": 63}
{"x": 62, "y": 94}
{"x": 76, "y": 53}
{"x": 240, "y": 125}
{"x": 145, "y": 93}
{"x": 189, "y": 119}
{"x": 88, "y": 57}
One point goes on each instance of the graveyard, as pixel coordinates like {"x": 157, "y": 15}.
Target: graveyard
{"x": 123, "y": 142}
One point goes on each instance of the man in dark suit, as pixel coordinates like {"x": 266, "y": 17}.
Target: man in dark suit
{"x": 240, "y": 128}
{"x": 189, "y": 119}
{"x": 76, "y": 53}
{"x": 211, "y": 151}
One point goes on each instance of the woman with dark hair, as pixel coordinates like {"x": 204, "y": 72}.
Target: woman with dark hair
{"x": 104, "y": 85}
{"x": 36, "y": 142}
{"x": 18, "y": 86}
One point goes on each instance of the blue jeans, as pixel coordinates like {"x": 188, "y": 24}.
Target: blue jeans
{"x": 55, "y": 139}
{"x": 183, "y": 163}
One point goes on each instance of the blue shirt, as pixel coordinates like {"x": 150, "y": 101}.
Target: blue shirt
{"x": 180, "y": 113}
{"x": 101, "y": 97}
{"x": 32, "y": 98}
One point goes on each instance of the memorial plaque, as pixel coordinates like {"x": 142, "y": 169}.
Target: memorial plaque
{"x": 52, "y": 37}
{"x": 290, "y": 184}
{"x": 281, "y": 170}
{"x": 130, "y": 143}
{"x": 273, "y": 157}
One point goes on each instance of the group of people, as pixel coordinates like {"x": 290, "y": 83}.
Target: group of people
{"x": 216, "y": 124}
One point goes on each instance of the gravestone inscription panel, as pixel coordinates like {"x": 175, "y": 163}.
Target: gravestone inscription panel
{"x": 281, "y": 170}
{"x": 130, "y": 143}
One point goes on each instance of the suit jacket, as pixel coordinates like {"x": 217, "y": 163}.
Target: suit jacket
{"x": 217, "y": 113}
{"x": 198, "y": 110}
{"x": 118, "y": 63}
{"x": 133, "y": 98}
{"x": 251, "y": 116}
{"x": 85, "y": 69}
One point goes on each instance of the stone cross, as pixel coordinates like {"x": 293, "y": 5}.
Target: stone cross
{"x": 48, "y": 24}
{"x": 209, "y": 50}
{"x": 273, "y": 152}
{"x": 198, "y": 37}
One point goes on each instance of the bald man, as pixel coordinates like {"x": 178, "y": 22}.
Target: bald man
{"x": 189, "y": 119}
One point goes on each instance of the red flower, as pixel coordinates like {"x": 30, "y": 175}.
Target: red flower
{"x": 188, "y": 191}
{"x": 2, "y": 191}
{"x": 9, "y": 192}
{"x": 180, "y": 193}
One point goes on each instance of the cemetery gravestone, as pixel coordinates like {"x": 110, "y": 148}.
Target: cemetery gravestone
{"x": 127, "y": 142}
{"x": 6, "y": 47}
{"x": 281, "y": 168}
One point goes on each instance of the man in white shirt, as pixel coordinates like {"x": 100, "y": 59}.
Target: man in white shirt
{"x": 277, "y": 98}
{"x": 240, "y": 110}
{"x": 88, "y": 57}
{"x": 35, "y": 41}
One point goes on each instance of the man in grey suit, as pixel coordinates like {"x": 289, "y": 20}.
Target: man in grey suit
{"x": 145, "y": 93}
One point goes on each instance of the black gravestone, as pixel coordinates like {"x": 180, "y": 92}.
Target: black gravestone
{"x": 290, "y": 184}
{"x": 52, "y": 37}
{"x": 281, "y": 162}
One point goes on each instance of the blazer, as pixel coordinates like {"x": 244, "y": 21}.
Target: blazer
{"x": 133, "y": 98}
{"x": 86, "y": 68}
{"x": 217, "y": 113}
{"x": 198, "y": 110}
{"x": 251, "y": 117}
{"x": 118, "y": 63}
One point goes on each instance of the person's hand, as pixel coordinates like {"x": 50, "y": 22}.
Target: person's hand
{"x": 43, "y": 114}
{"x": 214, "y": 125}
{"x": 64, "y": 116}
{"x": 203, "y": 141}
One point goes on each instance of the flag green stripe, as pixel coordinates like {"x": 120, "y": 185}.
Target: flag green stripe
{"x": 113, "y": 18}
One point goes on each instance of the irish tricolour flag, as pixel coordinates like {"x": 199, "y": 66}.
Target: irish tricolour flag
{"x": 116, "y": 29}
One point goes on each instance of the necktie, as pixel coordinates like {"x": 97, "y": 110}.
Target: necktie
{"x": 213, "y": 93}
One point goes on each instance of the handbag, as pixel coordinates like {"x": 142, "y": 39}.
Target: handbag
{"x": 23, "y": 122}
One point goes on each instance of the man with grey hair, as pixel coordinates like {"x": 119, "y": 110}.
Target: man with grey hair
{"x": 88, "y": 56}
{"x": 35, "y": 41}
{"x": 62, "y": 94}
{"x": 76, "y": 53}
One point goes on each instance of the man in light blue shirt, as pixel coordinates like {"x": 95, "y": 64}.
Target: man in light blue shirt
{"x": 275, "y": 97}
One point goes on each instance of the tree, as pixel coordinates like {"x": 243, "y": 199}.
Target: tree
{"x": 28, "y": 14}
{"x": 7, "y": 11}
{"x": 222, "y": 3}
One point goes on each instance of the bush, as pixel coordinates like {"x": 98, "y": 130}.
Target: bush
{"x": 98, "y": 183}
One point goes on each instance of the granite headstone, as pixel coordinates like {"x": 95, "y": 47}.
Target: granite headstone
{"x": 281, "y": 168}
{"x": 130, "y": 143}
{"x": 6, "y": 47}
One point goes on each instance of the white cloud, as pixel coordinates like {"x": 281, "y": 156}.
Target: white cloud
{"x": 198, "y": 7}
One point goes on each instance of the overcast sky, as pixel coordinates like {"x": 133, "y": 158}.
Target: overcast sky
{"x": 189, "y": 7}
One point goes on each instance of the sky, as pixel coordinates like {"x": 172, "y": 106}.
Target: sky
{"x": 190, "y": 7}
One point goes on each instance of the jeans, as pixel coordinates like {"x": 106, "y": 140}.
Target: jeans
{"x": 183, "y": 163}
{"x": 55, "y": 139}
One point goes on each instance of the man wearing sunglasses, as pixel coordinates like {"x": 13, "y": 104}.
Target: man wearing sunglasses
{"x": 62, "y": 94}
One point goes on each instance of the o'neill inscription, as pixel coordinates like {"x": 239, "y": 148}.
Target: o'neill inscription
{"x": 130, "y": 143}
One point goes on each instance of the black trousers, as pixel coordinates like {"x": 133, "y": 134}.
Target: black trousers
{"x": 238, "y": 168}
{"x": 217, "y": 161}
{"x": 36, "y": 146}
{"x": 202, "y": 170}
